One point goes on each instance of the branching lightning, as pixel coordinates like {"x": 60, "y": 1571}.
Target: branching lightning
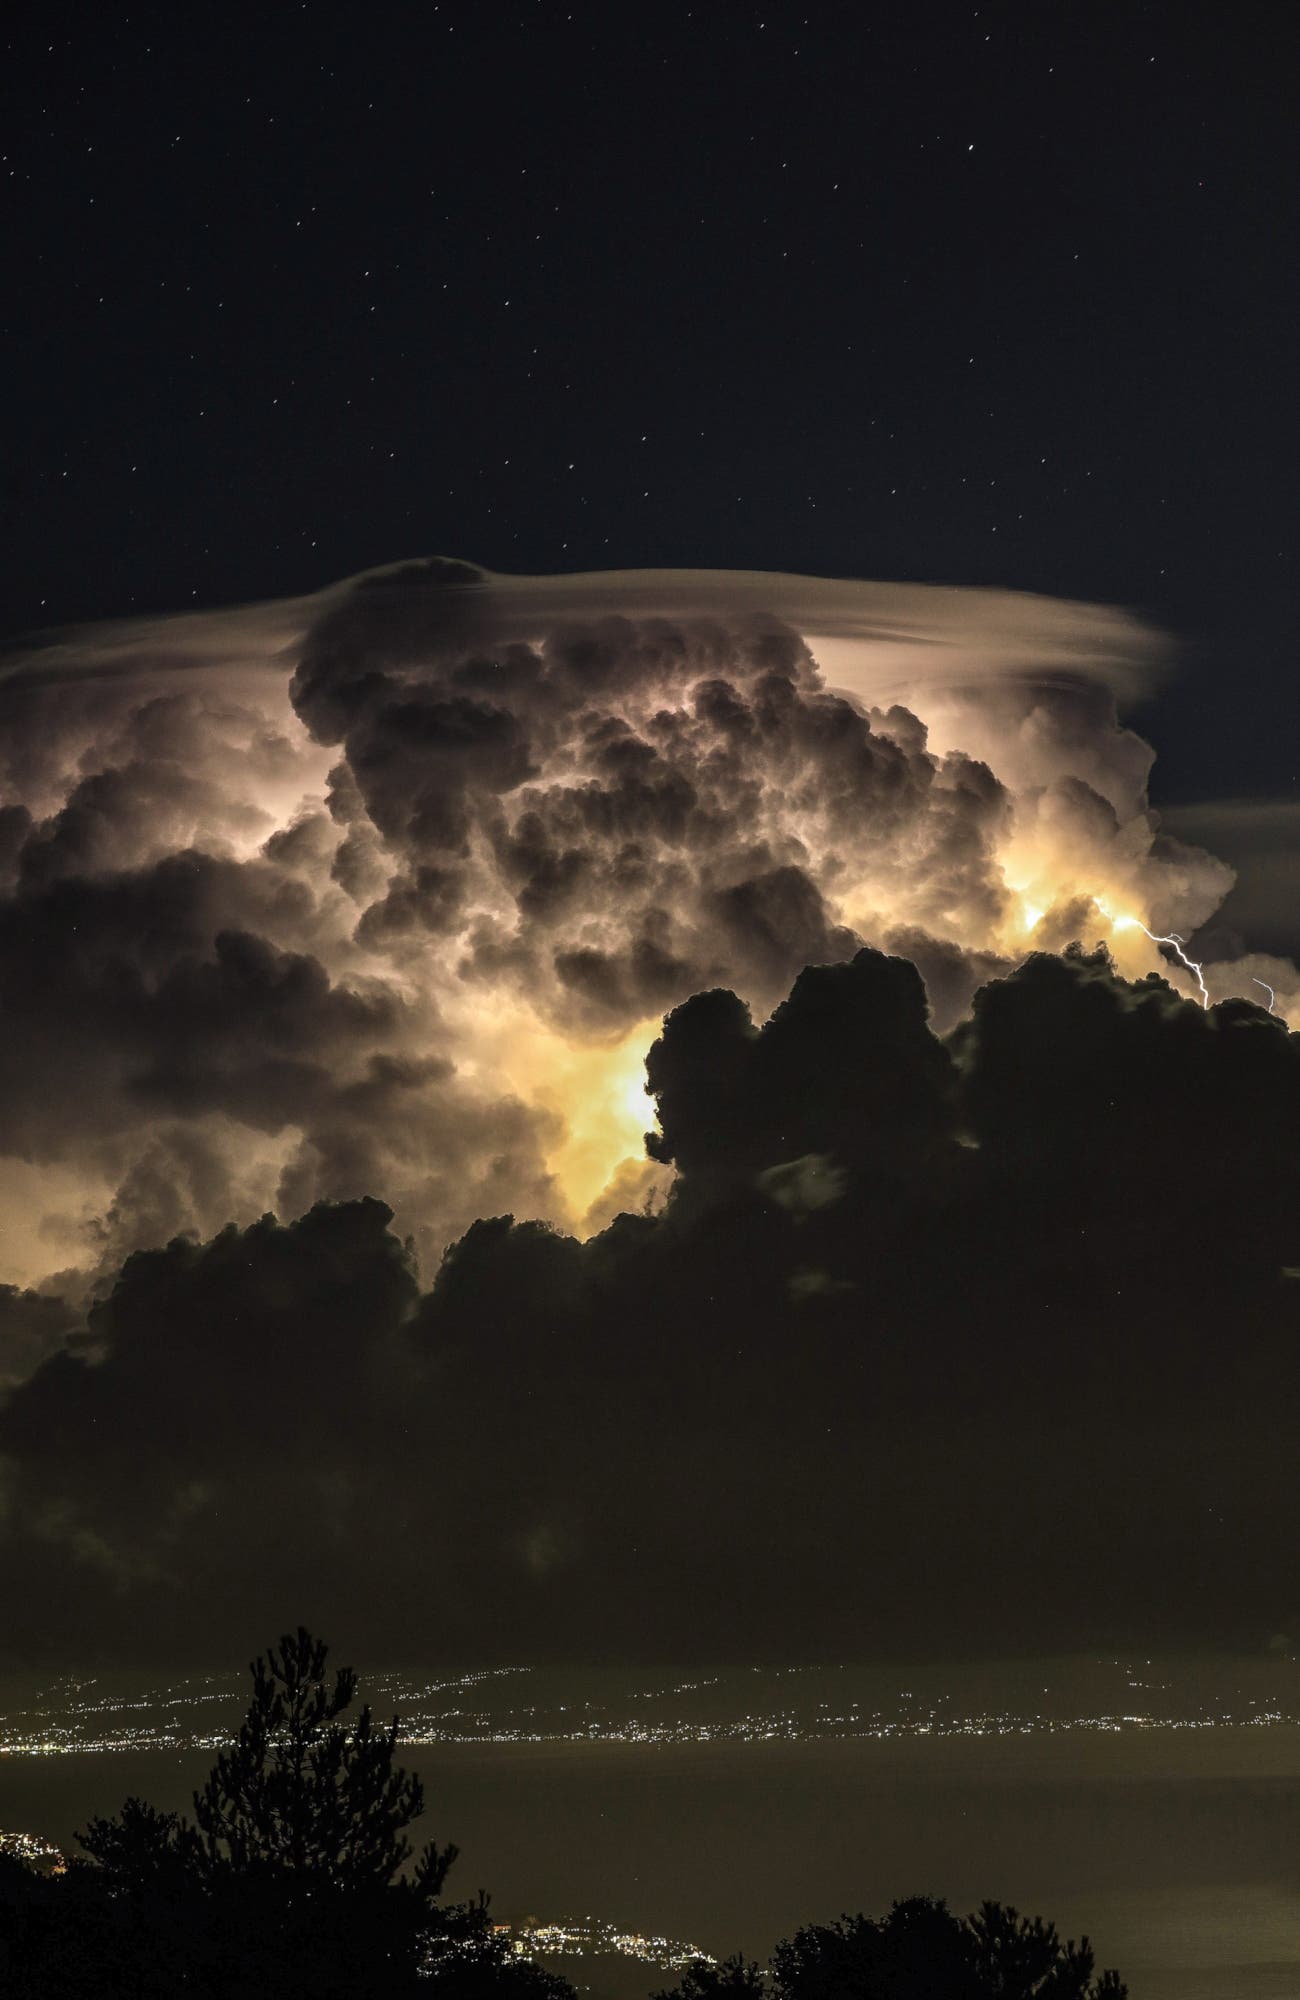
{"x": 1176, "y": 944}
{"x": 1272, "y": 997}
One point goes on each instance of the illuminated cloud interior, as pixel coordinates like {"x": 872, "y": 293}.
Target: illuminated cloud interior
{"x": 386, "y": 892}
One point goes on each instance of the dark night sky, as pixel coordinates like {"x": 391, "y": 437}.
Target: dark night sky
{"x": 996, "y": 294}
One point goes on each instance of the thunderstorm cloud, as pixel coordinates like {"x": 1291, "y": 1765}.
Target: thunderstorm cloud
{"x": 384, "y": 892}
{"x": 637, "y": 1112}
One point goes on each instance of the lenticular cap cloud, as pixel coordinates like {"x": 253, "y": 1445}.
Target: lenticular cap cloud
{"x": 944, "y": 633}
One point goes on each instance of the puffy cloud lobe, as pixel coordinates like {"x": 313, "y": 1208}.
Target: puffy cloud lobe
{"x": 952, "y": 975}
{"x": 145, "y": 1031}
{"x": 846, "y": 1068}
{"x": 621, "y": 810}
{"x": 159, "y": 997}
{"x": 136, "y": 997}
{"x": 936, "y": 1343}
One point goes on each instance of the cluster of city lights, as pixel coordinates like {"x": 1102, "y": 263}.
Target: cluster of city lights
{"x": 592, "y": 1937}
{"x": 482, "y": 1707}
{"x": 34, "y": 1849}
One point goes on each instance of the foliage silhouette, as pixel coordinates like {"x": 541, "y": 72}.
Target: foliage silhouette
{"x": 305, "y": 1795}
{"x": 920, "y": 1951}
{"x": 291, "y": 1879}
{"x": 1015, "y": 1955}
{"x": 734, "y": 1978}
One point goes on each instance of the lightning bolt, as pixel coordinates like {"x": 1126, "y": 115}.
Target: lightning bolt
{"x": 1267, "y": 988}
{"x": 1173, "y": 940}
{"x": 1176, "y": 943}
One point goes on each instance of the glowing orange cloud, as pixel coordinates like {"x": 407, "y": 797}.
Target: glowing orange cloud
{"x": 387, "y": 891}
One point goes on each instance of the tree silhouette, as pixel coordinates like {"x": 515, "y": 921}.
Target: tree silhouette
{"x": 306, "y": 1796}
{"x": 1022, "y": 1956}
{"x": 735, "y": 1978}
{"x": 920, "y": 1951}
{"x": 292, "y": 1879}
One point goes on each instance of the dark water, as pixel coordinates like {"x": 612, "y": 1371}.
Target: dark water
{"x": 1178, "y": 1851}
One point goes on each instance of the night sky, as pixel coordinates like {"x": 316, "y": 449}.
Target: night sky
{"x": 649, "y": 1114}
{"x": 991, "y": 295}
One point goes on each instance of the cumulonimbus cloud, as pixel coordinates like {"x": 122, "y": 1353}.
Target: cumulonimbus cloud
{"x": 385, "y": 891}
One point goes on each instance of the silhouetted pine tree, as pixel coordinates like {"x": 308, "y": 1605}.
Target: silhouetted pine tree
{"x": 292, "y": 1880}
{"x": 920, "y": 1951}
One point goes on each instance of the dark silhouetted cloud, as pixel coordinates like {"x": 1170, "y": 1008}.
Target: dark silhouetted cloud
{"x": 940, "y": 1343}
